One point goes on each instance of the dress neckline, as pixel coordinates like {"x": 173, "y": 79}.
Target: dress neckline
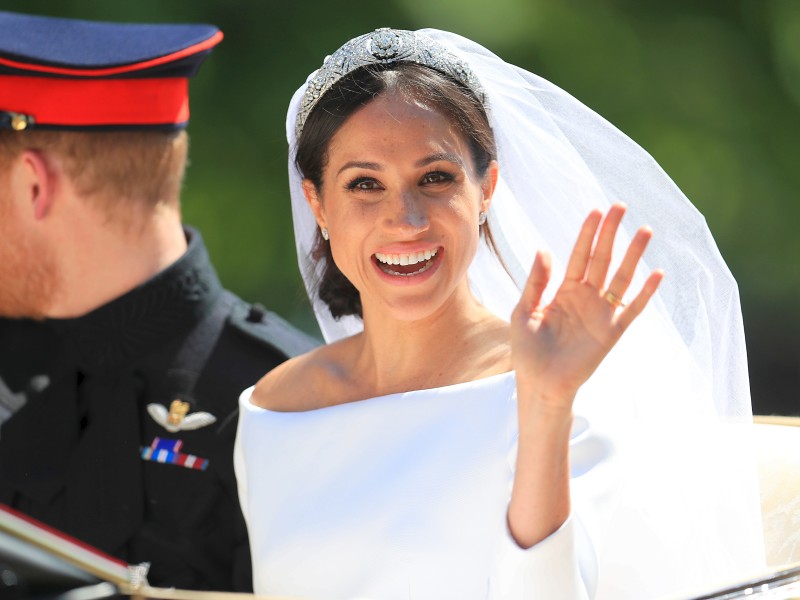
{"x": 445, "y": 389}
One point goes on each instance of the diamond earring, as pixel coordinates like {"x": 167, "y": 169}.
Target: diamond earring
{"x": 324, "y": 232}
{"x": 482, "y": 218}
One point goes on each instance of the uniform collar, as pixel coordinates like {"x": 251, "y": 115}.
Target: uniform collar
{"x": 117, "y": 334}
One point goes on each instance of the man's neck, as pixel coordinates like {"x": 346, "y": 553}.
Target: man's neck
{"x": 100, "y": 261}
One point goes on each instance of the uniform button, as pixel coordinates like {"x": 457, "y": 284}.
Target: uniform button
{"x": 256, "y": 313}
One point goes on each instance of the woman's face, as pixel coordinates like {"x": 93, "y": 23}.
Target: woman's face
{"x": 400, "y": 199}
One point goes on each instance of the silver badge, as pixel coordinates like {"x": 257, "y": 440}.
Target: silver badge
{"x": 177, "y": 418}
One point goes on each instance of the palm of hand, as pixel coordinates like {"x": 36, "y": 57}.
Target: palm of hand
{"x": 557, "y": 347}
{"x": 560, "y": 346}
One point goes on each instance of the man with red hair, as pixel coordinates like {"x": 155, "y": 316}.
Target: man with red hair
{"x": 121, "y": 355}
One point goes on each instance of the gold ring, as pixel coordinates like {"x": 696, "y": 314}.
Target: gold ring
{"x": 613, "y": 299}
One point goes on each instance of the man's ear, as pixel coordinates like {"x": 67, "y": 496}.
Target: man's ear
{"x": 35, "y": 181}
{"x": 312, "y": 197}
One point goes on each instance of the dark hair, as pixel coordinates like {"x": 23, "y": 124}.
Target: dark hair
{"x": 357, "y": 89}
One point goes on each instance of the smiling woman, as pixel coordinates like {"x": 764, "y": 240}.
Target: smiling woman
{"x": 439, "y": 99}
{"x": 399, "y": 181}
{"x": 467, "y": 432}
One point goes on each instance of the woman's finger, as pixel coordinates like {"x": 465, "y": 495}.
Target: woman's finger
{"x": 536, "y": 283}
{"x": 576, "y": 267}
{"x": 603, "y": 249}
{"x": 632, "y": 310}
{"x": 624, "y": 275}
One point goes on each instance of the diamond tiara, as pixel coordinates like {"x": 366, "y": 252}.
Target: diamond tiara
{"x": 384, "y": 46}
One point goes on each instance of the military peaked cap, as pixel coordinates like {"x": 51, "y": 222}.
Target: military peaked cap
{"x": 72, "y": 74}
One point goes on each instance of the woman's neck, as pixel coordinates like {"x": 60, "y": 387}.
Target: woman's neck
{"x": 461, "y": 341}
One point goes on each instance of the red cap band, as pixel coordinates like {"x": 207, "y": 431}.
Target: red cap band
{"x": 98, "y": 102}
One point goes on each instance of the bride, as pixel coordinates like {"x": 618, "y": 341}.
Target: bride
{"x": 472, "y": 430}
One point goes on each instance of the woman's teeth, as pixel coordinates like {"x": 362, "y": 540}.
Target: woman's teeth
{"x": 406, "y": 259}
{"x": 406, "y": 262}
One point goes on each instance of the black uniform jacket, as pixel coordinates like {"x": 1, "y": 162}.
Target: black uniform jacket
{"x": 90, "y": 451}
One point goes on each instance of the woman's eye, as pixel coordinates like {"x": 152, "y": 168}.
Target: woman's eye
{"x": 364, "y": 184}
{"x": 436, "y": 177}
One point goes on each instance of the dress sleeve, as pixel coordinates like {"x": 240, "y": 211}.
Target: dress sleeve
{"x": 239, "y": 466}
{"x": 560, "y": 566}
{"x": 564, "y": 564}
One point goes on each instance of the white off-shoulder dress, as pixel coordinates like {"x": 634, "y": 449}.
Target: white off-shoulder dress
{"x": 405, "y": 497}
{"x": 397, "y": 497}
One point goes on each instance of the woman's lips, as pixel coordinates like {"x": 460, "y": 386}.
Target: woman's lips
{"x": 406, "y": 264}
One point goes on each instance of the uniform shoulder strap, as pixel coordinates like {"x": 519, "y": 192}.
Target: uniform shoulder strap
{"x": 257, "y": 322}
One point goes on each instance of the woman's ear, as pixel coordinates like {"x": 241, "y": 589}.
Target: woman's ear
{"x": 489, "y": 184}
{"x": 34, "y": 180}
{"x": 312, "y": 197}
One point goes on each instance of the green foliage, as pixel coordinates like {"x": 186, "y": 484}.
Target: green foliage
{"x": 711, "y": 89}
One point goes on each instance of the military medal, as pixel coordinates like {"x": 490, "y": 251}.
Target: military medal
{"x": 177, "y": 419}
{"x": 167, "y": 451}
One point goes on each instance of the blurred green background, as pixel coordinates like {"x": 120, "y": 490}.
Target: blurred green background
{"x": 710, "y": 88}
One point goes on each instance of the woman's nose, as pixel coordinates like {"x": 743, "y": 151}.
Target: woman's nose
{"x": 407, "y": 212}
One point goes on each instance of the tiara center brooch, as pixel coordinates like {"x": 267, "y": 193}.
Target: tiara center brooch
{"x": 384, "y": 44}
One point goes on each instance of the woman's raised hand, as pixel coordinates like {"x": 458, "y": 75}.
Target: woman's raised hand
{"x": 555, "y": 348}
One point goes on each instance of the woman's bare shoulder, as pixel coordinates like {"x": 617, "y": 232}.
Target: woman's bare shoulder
{"x": 301, "y": 382}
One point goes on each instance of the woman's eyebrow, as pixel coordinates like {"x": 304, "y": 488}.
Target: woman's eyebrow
{"x": 445, "y": 156}
{"x": 357, "y": 164}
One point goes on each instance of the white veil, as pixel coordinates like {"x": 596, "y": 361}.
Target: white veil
{"x": 682, "y": 480}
